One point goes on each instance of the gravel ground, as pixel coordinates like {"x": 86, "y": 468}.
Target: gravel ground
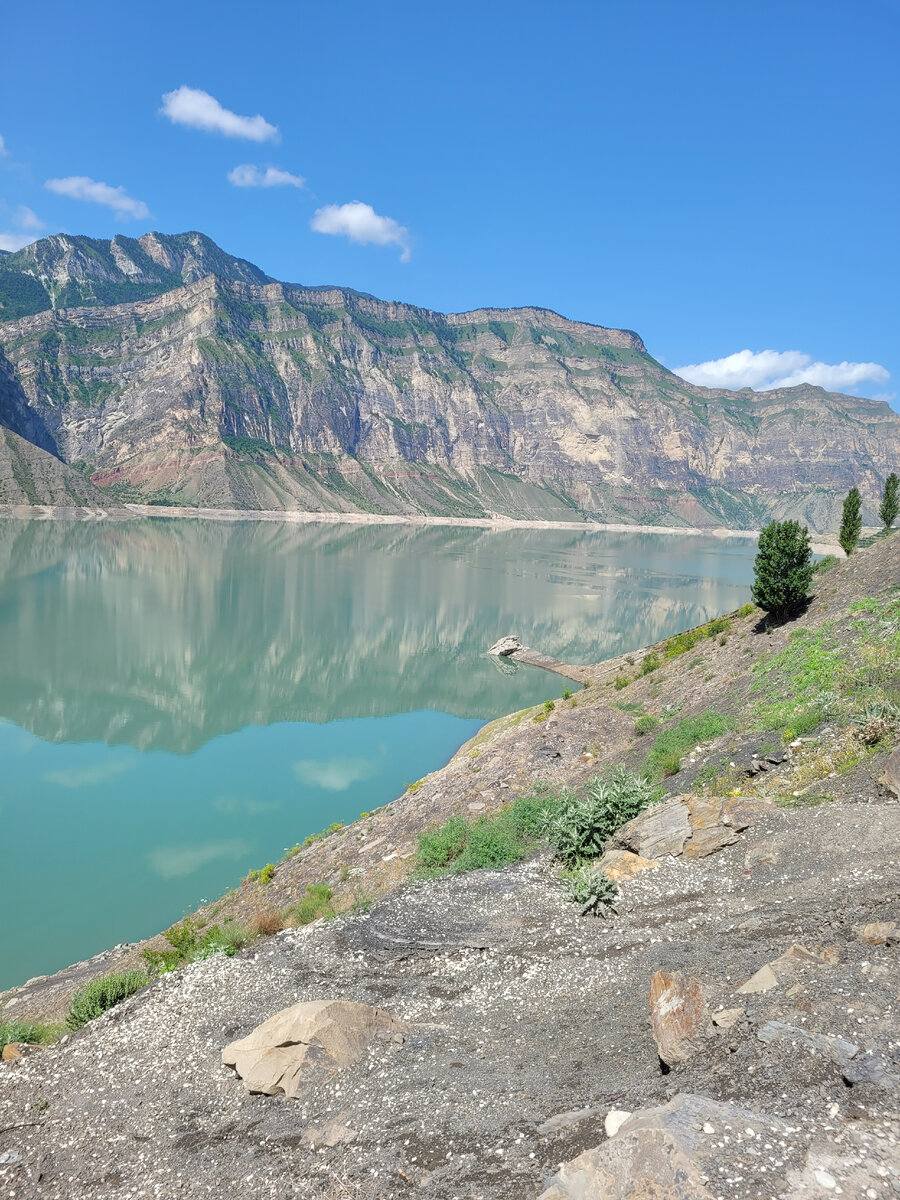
{"x": 521, "y": 1012}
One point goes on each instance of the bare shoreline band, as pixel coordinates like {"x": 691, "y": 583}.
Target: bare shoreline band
{"x": 47, "y": 512}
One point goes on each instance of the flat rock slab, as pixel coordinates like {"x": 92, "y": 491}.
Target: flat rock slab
{"x": 306, "y": 1043}
{"x": 420, "y": 920}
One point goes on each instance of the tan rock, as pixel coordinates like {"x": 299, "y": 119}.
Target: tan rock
{"x": 742, "y": 811}
{"x": 727, "y": 1018}
{"x": 614, "y": 1120}
{"x": 880, "y": 933}
{"x": 679, "y": 1016}
{"x": 15, "y": 1050}
{"x": 891, "y": 776}
{"x": 763, "y": 981}
{"x": 332, "y": 1133}
{"x": 622, "y": 864}
{"x": 307, "y": 1042}
{"x": 659, "y": 830}
{"x": 708, "y": 833}
{"x": 661, "y": 1153}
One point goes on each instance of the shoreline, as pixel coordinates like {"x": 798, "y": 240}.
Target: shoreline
{"x": 46, "y": 512}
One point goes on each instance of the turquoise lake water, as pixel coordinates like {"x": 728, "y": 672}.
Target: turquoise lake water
{"x": 180, "y": 700}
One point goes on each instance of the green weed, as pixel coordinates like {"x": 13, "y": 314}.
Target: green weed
{"x": 672, "y": 744}
{"x": 99, "y": 995}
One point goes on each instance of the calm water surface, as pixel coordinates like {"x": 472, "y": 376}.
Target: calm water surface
{"x": 180, "y": 701}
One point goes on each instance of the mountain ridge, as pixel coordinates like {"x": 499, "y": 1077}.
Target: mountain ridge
{"x": 184, "y": 375}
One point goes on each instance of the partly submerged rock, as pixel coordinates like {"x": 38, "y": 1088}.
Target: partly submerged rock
{"x": 307, "y": 1042}
{"x": 505, "y": 646}
{"x": 679, "y": 1016}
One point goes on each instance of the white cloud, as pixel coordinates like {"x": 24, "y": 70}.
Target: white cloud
{"x": 80, "y": 187}
{"x": 79, "y": 777}
{"x": 173, "y": 861}
{"x": 16, "y": 241}
{"x": 248, "y": 175}
{"x": 3, "y": 149}
{"x": 199, "y": 110}
{"x": 25, "y": 218}
{"x": 361, "y": 224}
{"x": 767, "y": 369}
{"x": 335, "y": 774}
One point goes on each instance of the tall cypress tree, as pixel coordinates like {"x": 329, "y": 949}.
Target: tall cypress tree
{"x": 890, "y": 501}
{"x": 851, "y": 522}
{"x": 783, "y": 568}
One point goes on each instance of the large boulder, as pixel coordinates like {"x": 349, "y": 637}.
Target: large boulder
{"x": 306, "y": 1043}
{"x": 664, "y": 1153}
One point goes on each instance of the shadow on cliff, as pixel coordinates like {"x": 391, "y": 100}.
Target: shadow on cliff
{"x": 17, "y": 414}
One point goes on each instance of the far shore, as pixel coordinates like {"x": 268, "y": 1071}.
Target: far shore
{"x": 47, "y": 512}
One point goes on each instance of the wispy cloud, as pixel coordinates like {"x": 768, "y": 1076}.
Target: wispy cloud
{"x": 79, "y": 777}
{"x": 172, "y": 861}
{"x": 3, "y": 149}
{"x": 80, "y": 187}
{"x": 335, "y": 774}
{"x": 199, "y": 110}
{"x": 26, "y": 218}
{"x": 248, "y": 175}
{"x": 27, "y": 223}
{"x": 764, "y": 370}
{"x": 362, "y": 225}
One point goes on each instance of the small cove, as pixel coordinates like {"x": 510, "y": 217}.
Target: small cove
{"x": 181, "y": 701}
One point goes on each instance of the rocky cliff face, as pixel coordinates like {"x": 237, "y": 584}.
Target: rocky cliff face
{"x": 172, "y": 371}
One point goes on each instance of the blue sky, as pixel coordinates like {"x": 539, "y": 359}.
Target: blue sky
{"x": 721, "y": 177}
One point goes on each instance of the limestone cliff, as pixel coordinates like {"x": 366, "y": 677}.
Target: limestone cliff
{"x": 169, "y": 370}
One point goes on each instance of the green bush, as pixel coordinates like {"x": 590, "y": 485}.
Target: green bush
{"x": 99, "y": 995}
{"x": 782, "y": 568}
{"x": 490, "y": 841}
{"x": 851, "y": 522}
{"x": 261, "y": 875}
{"x": 25, "y": 1031}
{"x": 190, "y": 944}
{"x": 650, "y": 663}
{"x": 668, "y": 749}
{"x": 825, "y": 564}
{"x": 645, "y": 724}
{"x": 622, "y": 681}
{"x": 315, "y": 903}
{"x": 890, "y": 501}
{"x": 578, "y": 827}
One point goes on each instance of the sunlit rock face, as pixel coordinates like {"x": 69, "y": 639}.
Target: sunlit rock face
{"x": 169, "y": 370}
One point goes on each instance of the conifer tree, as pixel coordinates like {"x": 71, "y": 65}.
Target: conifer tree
{"x": 851, "y": 522}
{"x": 783, "y": 568}
{"x": 890, "y": 501}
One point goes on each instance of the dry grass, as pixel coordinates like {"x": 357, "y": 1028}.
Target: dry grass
{"x": 267, "y": 922}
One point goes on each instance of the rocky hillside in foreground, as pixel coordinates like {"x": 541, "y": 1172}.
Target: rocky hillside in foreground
{"x": 168, "y": 370}
{"x": 729, "y": 1033}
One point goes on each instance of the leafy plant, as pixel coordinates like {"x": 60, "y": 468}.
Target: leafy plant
{"x": 783, "y": 568}
{"x": 261, "y": 875}
{"x": 890, "y": 500}
{"x": 851, "y": 522}
{"x": 490, "y": 841}
{"x": 590, "y": 886}
{"x": 99, "y": 995}
{"x": 26, "y": 1031}
{"x": 189, "y": 943}
{"x": 578, "y": 827}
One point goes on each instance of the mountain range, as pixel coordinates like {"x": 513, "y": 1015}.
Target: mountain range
{"x": 163, "y": 370}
